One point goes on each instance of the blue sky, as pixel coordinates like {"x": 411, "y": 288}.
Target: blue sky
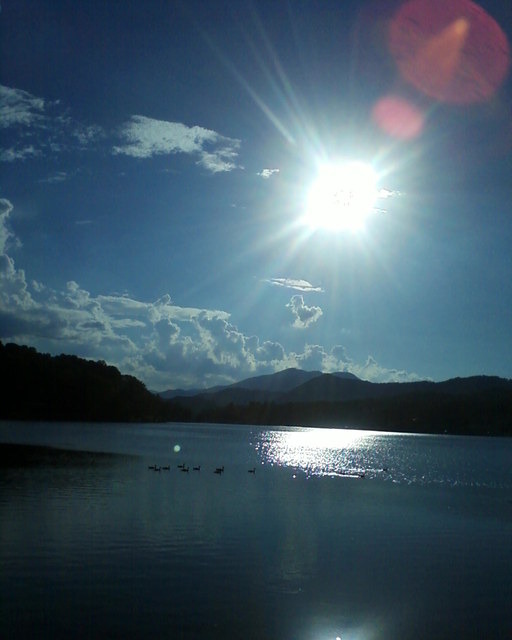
{"x": 155, "y": 166}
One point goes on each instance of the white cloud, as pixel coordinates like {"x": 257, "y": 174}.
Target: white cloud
{"x": 60, "y": 176}
{"x": 20, "y": 153}
{"x": 267, "y": 173}
{"x": 6, "y": 235}
{"x": 19, "y": 107}
{"x": 159, "y": 342}
{"x": 39, "y": 127}
{"x": 304, "y": 315}
{"x": 297, "y": 284}
{"x": 222, "y": 160}
{"x": 86, "y": 134}
{"x": 317, "y": 358}
{"x": 374, "y": 372}
{"x": 387, "y": 193}
{"x": 145, "y": 137}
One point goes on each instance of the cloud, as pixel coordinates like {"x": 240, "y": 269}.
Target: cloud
{"x": 20, "y": 108}
{"x": 374, "y": 372}
{"x": 38, "y": 127}
{"x": 159, "y": 342}
{"x": 267, "y": 173}
{"x": 145, "y": 137}
{"x": 6, "y": 236}
{"x": 59, "y": 176}
{"x": 86, "y": 134}
{"x": 317, "y": 358}
{"x": 387, "y": 193}
{"x": 304, "y": 315}
{"x": 21, "y": 153}
{"x": 291, "y": 283}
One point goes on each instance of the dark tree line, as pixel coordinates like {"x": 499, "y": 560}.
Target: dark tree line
{"x": 38, "y": 386}
{"x": 484, "y": 413}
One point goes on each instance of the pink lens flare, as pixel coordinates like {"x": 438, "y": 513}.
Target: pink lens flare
{"x": 398, "y": 117}
{"x": 454, "y": 51}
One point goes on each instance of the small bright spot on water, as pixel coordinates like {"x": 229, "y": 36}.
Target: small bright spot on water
{"x": 177, "y": 448}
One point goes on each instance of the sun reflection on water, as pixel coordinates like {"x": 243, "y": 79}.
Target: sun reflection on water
{"x": 319, "y": 452}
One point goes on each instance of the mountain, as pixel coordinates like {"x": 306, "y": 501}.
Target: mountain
{"x": 265, "y": 388}
{"x": 169, "y": 394}
{"x": 477, "y": 405}
{"x": 298, "y": 386}
{"x": 281, "y": 381}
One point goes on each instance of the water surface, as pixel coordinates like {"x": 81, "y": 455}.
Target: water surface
{"x": 95, "y": 544}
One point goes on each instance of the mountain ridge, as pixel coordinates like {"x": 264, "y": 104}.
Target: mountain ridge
{"x": 476, "y": 405}
{"x": 67, "y": 388}
{"x": 281, "y": 381}
{"x": 297, "y": 385}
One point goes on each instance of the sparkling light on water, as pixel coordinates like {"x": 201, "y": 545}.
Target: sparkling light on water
{"x": 318, "y": 451}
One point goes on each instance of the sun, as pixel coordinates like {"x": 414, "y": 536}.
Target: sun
{"x": 341, "y": 197}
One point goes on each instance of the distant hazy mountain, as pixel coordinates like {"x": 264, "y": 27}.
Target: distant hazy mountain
{"x": 281, "y": 381}
{"x": 266, "y": 388}
{"x": 169, "y": 394}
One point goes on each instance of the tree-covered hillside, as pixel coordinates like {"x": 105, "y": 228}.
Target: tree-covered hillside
{"x": 38, "y": 386}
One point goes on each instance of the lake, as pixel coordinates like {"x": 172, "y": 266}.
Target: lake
{"x": 94, "y": 543}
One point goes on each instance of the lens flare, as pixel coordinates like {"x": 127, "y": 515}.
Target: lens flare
{"x": 398, "y": 117}
{"x": 453, "y": 51}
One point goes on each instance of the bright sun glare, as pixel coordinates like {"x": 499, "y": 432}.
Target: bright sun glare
{"x": 342, "y": 197}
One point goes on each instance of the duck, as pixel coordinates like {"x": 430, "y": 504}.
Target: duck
{"x": 253, "y": 470}
{"x": 184, "y": 468}
{"x": 166, "y": 468}
{"x": 219, "y": 470}
{"x": 198, "y": 468}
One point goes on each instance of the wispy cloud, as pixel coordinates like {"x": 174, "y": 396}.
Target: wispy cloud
{"x": 292, "y": 283}
{"x": 5, "y": 234}
{"x": 60, "y": 176}
{"x": 304, "y": 315}
{"x": 388, "y": 193}
{"x": 36, "y": 127}
{"x": 18, "y": 153}
{"x": 267, "y": 173}
{"x": 20, "y": 108}
{"x": 145, "y": 137}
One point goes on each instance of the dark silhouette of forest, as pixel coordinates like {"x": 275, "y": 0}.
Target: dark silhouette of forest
{"x": 488, "y": 413}
{"x": 38, "y": 386}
